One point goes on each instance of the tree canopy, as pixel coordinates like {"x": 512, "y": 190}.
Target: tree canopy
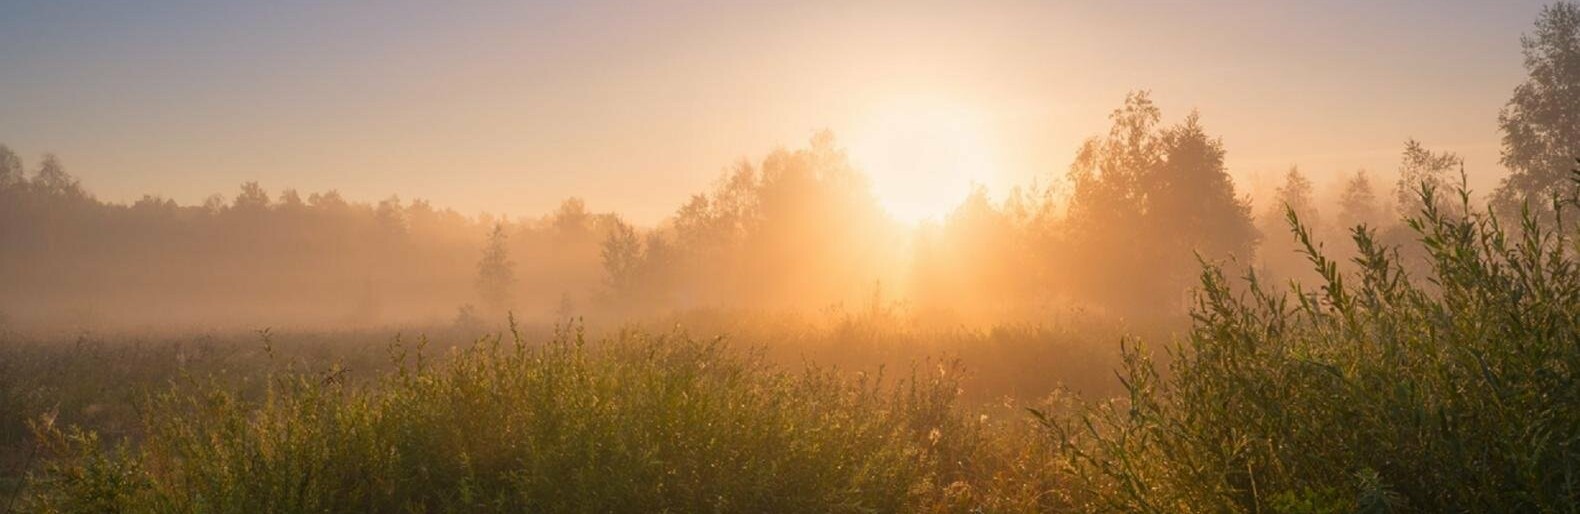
{"x": 1541, "y": 122}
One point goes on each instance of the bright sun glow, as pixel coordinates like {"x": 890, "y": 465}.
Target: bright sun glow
{"x": 923, "y": 156}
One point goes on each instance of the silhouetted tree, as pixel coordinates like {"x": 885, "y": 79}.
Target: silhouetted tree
{"x": 466, "y": 318}
{"x": 328, "y": 200}
{"x": 795, "y": 231}
{"x": 622, "y": 253}
{"x": 711, "y": 238}
{"x": 571, "y": 220}
{"x": 11, "y": 172}
{"x": 290, "y": 199}
{"x": 215, "y": 204}
{"x": 1192, "y": 198}
{"x": 1298, "y": 195}
{"x": 1541, "y": 122}
{"x": 251, "y": 198}
{"x": 1106, "y": 209}
{"x": 1358, "y": 203}
{"x": 1280, "y": 252}
{"x": 1144, "y": 203}
{"x": 52, "y": 179}
{"x": 391, "y": 217}
{"x": 496, "y": 273}
{"x": 1420, "y": 167}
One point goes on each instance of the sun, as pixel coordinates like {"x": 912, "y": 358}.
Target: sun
{"x": 923, "y": 156}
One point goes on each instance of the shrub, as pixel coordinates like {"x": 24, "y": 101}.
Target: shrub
{"x": 1454, "y": 392}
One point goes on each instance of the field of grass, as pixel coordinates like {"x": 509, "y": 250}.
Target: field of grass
{"x": 1451, "y": 390}
{"x": 636, "y": 420}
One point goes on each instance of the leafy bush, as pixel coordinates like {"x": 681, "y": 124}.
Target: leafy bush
{"x": 1454, "y": 392}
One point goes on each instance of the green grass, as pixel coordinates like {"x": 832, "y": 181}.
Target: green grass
{"x": 631, "y": 423}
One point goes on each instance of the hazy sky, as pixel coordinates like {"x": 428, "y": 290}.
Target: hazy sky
{"x": 510, "y": 106}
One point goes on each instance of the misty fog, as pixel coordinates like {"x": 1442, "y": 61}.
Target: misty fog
{"x": 799, "y": 230}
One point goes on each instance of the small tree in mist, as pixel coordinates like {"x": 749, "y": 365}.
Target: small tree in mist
{"x": 11, "y": 173}
{"x": 391, "y": 216}
{"x": 496, "y": 274}
{"x": 1541, "y": 122}
{"x": 52, "y": 179}
{"x": 1358, "y": 202}
{"x": 622, "y": 258}
{"x": 1280, "y": 252}
{"x": 572, "y": 221}
{"x": 1297, "y": 194}
{"x": 1418, "y": 168}
{"x": 252, "y": 198}
{"x": 638, "y": 270}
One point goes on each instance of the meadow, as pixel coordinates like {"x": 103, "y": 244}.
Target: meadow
{"x": 1375, "y": 391}
{"x": 815, "y": 330}
{"x": 752, "y": 388}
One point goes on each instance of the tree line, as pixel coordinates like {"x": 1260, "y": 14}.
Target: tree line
{"x": 1123, "y": 231}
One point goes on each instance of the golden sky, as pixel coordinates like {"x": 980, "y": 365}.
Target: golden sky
{"x": 509, "y": 107}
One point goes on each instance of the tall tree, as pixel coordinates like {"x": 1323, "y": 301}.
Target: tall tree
{"x": 1103, "y": 223}
{"x": 496, "y": 273}
{"x": 1541, "y": 122}
{"x": 1145, "y": 202}
{"x": 1193, "y": 199}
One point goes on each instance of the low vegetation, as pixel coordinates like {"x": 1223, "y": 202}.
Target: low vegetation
{"x": 1377, "y": 391}
{"x": 639, "y": 421}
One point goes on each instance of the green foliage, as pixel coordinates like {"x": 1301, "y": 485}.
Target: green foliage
{"x": 632, "y": 423}
{"x": 1454, "y": 392}
{"x": 1538, "y": 123}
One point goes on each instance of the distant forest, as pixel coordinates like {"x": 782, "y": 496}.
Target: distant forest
{"x": 1122, "y": 232}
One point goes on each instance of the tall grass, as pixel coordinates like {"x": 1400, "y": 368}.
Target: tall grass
{"x": 631, "y": 423}
{"x": 1377, "y": 392}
